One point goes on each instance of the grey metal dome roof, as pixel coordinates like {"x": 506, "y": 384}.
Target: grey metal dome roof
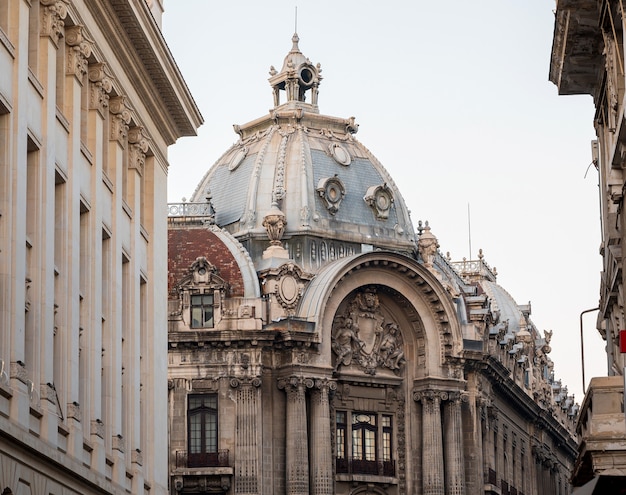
{"x": 311, "y": 168}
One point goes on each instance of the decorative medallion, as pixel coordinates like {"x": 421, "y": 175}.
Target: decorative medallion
{"x": 380, "y": 199}
{"x": 362, "y": 337}
{"x": 237, "y": 158}
{"x": 332, "y": 192}
{"x": 285, "y": 283}
{"x": 340, "y": 154}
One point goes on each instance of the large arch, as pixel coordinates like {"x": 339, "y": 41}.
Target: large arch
{"x": 422, "y": 306}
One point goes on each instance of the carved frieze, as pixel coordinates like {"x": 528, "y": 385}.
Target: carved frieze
{"x": 362, "y": 337}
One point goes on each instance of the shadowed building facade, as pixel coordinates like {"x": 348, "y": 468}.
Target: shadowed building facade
{"x": 90, "y": 99}
{"x": 319, "y": 345}
{"x": 588, "y": 59}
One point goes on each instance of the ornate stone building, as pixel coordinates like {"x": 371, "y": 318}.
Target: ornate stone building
{"x": 90, "y": 99}
{"x": 588, "y": 59}
{"x": 319, "y": 345}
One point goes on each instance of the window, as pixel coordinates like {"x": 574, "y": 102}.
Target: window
{"x": 202, "y": 430}
{"x": 370, "y": 443}
{"x": 202, "y": 310}
{"x": 364, "y": 437}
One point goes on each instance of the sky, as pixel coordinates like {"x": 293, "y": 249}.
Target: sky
{"x": 454, "y": 99}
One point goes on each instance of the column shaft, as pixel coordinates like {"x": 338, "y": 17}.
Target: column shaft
{"x": 455, "y": 469}
{"x": 321, "y": 455}
{"x": 432, "y": 445}
{"x": 297, "y": 451}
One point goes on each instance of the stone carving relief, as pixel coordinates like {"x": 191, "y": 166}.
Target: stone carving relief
{"x": 53, "y": 14}
{"x": 332, "y": 191}
{"x": 101, "y": 85}
{"x": 286, "y": 284}
{"x": 340, "y": 154}
{"x": 363, "y": 338}
{"x": 237, "y": 158}
{"x": 611, "y": 80}
{"x": 380, "y": 200}
{"x": 79, "y": 50}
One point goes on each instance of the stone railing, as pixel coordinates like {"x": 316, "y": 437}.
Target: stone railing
{"x": 190, "y": 210}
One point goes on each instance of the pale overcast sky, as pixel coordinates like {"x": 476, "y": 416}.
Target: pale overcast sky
{"x": 454, "y": 99}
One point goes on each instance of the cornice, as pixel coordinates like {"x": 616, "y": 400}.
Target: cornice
{"x": 150, "y": 65}
{"x": 499, "y": 375}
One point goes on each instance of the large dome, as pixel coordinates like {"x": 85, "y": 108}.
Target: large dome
{"x": 336, "y": 197}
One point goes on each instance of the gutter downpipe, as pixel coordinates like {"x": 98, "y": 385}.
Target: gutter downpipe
{"x": 582, "y": 345}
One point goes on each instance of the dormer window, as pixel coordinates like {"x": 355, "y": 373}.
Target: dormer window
{"x": 201, "y": 293}
{"x": 202, "y": 311}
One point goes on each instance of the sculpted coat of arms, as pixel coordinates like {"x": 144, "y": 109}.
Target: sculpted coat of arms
{"x": 361, "y": 336}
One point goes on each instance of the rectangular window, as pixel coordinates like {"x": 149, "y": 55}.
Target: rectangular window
{"x": 202, "y": 311}
{"x": 202, "y": 430}
{"x": 364, "y": 432}
{"x": 387, "y": 432}
{"x": 368, "y": 448}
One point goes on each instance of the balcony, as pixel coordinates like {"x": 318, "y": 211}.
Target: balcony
{"x": 185, "y": 459}
{"x": 602, "y": 431}
{"x": 371, "y": 468}
{"x": 193, "y": 473}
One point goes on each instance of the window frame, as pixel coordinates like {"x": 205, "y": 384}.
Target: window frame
{"x": 202, "y": 450}
{"x": 204, "y": 307}
{"x": 364, "y": 442}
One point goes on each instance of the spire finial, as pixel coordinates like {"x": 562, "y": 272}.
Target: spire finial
{"x": 295, "y": 29}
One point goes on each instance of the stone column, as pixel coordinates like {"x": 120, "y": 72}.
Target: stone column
{"x": 247, "y": 436}
{"x": 321, "y": 454}
{"x": 297, "y": 449}
{"x": 432, "y": 442}
{"x": 453, "y": 437}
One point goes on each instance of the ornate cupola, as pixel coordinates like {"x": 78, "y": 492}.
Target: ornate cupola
{"x": 299, "y": 186}
{"x": 297, "y": 77}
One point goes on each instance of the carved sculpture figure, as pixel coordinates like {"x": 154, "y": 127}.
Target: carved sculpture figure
{"x": 364, "y": 338}
{"x": 390, "y": 350}
{"x": 346, "y": 342}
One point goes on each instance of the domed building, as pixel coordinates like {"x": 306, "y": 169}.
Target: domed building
{"x": 318, "y": 344}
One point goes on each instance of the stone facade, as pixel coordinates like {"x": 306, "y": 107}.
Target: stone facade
{"x": 83, "y": 244}
{"x": 588, "y": 58}
{"x": 318, "y": 344}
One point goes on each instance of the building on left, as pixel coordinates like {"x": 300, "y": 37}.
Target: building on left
{"x": 90, "y": 99}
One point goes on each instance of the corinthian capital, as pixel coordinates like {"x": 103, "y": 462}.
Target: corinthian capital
{"x": 79, "y": 51}
{"x": 52, "y": 14}
{"x": 101, "y": 84}
{"x": 138, "y": 147}
{"x": 120, "y": 118}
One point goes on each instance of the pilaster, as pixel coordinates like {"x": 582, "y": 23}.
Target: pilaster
{"x": 432, "y": 441}
{"x": 297, "y": 450}
{"x": 453, "y": 438}
{"x": 321, "y": 455}
{"x": 247, "y": 444}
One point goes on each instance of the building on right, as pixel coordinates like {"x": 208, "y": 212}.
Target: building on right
{"x": 588, "y": 58}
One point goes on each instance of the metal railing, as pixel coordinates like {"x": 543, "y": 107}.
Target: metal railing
{"x": 186, "y": 459}
{"x": 360, "y": 466}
